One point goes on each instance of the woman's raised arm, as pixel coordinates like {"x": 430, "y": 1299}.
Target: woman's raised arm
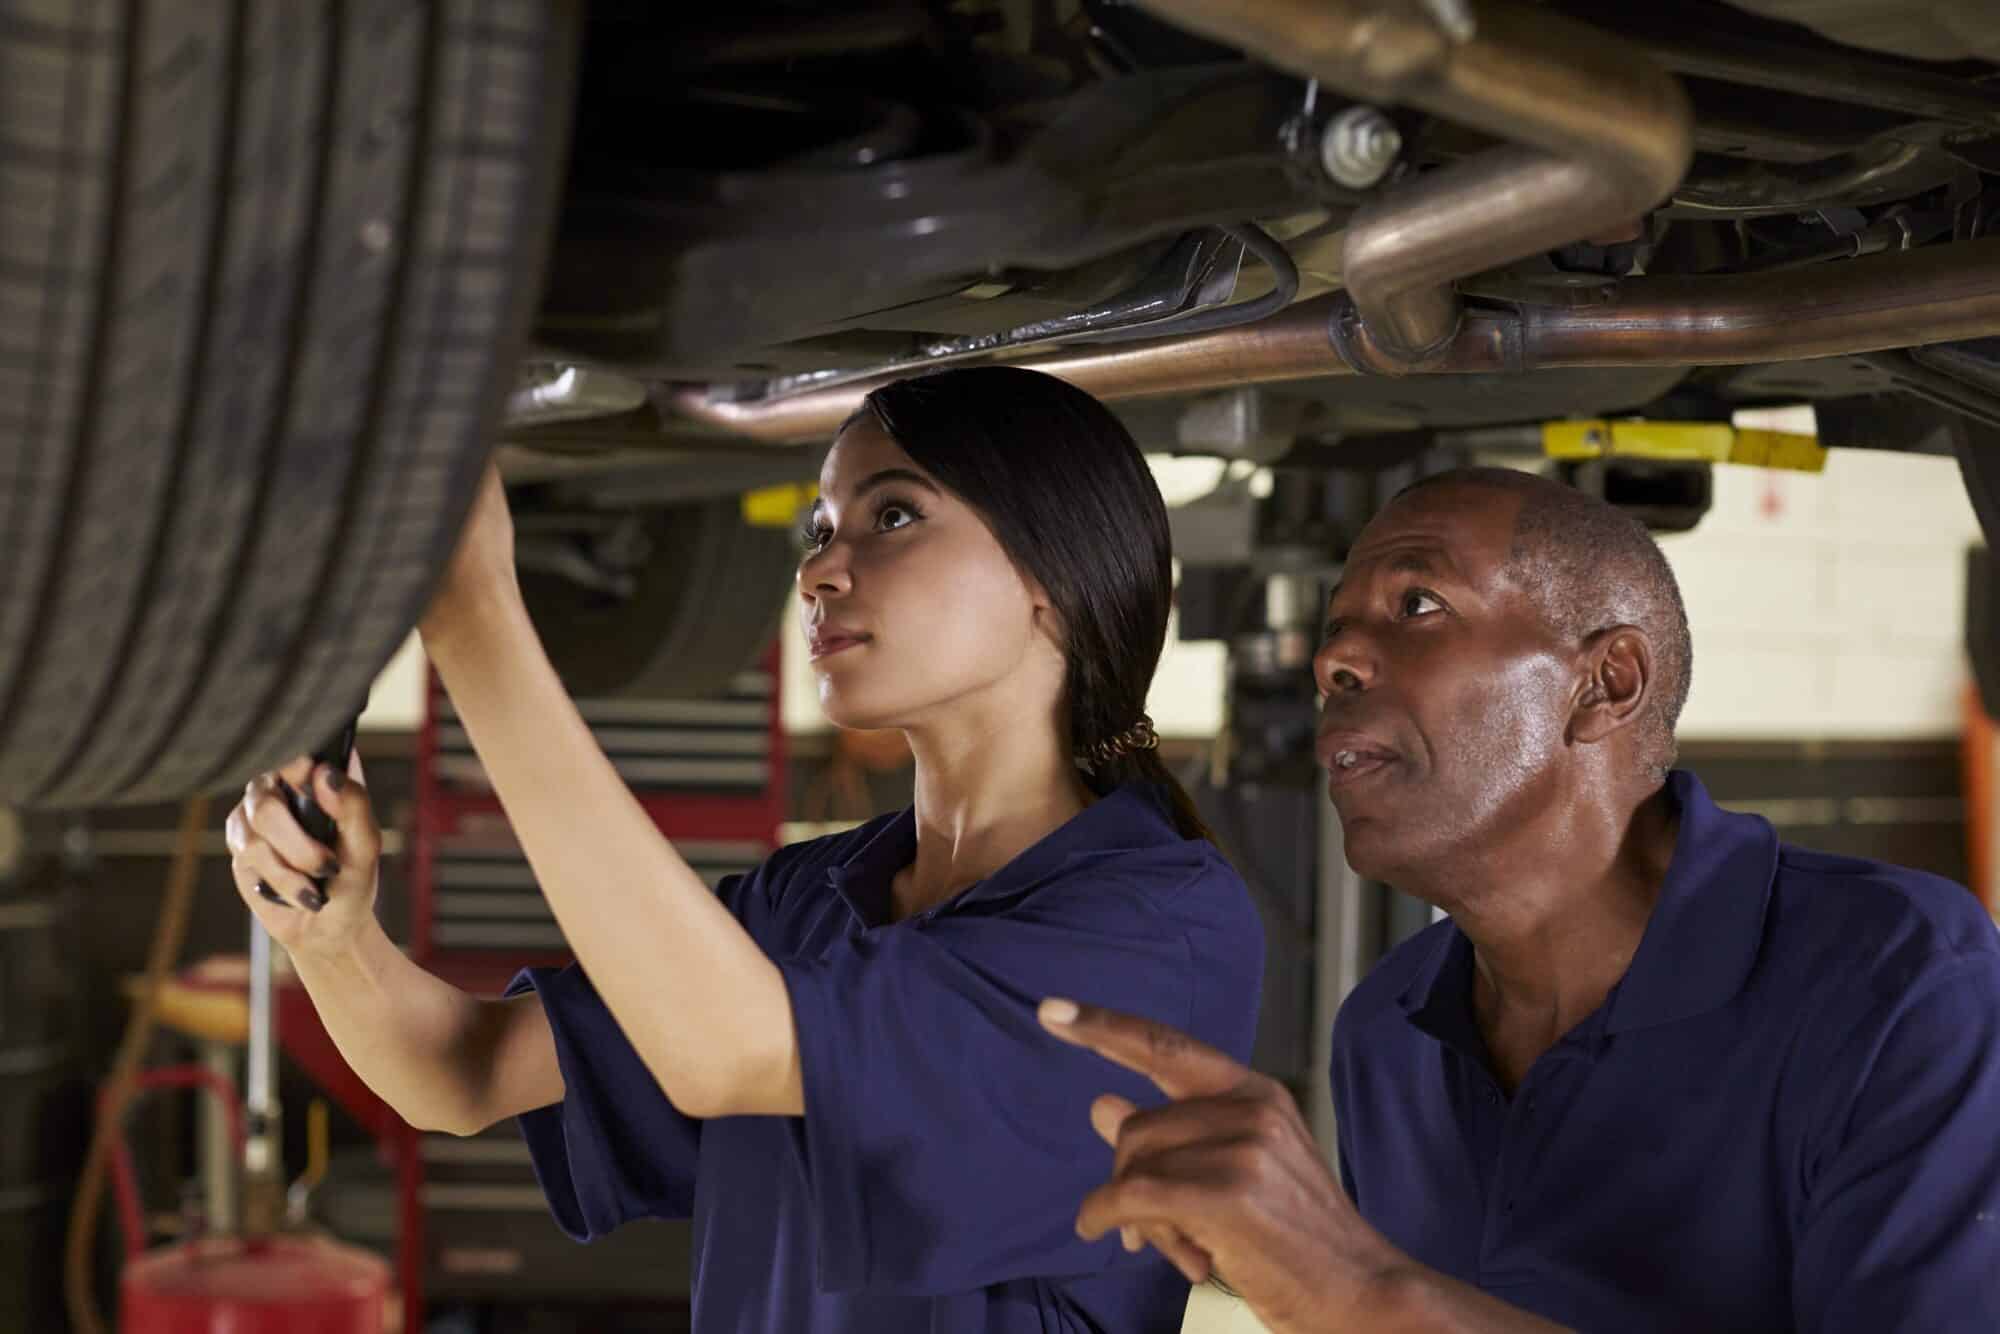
{"x": 700, "y": 1002}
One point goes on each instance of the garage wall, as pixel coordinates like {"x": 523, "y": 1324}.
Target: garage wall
{"x": 1830, "y": 605}
{"x": 396, "y": 700}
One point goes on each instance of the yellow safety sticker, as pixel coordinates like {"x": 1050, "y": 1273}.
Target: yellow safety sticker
{"x": 1687, "y": 442}
{"x": 778, "y": 506}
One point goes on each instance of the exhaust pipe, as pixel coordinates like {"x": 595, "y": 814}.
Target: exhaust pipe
{"x": 1599, "y": 136}
{"x": 1938, "y": 294}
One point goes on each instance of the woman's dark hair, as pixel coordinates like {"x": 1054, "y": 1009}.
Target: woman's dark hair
{"x": 1063, "y": 487}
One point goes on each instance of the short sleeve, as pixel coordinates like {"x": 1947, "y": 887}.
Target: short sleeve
{"x": 614, "y": 1148}
{"x": 946, "y": 1139}
{"x": 1902, "y": 1226}
{"x": 1342, "y": 1156}
{"x": 1343, "y": 1150}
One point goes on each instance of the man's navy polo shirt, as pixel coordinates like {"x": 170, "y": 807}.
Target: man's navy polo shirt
{"x": 1786, "y": 1115}
{"x": 934, "y": 1180}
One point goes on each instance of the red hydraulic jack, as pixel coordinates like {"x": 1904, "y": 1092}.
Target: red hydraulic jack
{"x": 259, "y": 1282}
{"x": 263, "y": 1280}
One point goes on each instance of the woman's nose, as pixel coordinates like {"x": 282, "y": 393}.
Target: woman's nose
{"x": 825, "y": 573}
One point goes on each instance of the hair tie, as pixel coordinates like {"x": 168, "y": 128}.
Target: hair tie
{"x": 1139, "y": 736}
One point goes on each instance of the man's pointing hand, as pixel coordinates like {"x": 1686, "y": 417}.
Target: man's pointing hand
{"x": 1226, "y": 1181}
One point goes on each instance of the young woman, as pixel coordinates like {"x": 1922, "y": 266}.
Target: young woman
{"x": 833, "y": 1064}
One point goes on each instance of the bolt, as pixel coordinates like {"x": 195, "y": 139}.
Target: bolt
{"x": 1359, "y": 146}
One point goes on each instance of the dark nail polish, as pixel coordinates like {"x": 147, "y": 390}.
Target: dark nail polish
{"x": 271, "y": 895}
{"x": 335, "y": 779}
{"x": 312, "y": 899}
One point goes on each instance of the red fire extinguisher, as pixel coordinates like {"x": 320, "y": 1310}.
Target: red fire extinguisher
{"x": 276, "y": 1283}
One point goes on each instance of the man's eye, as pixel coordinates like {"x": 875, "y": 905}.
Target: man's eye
{"x": 1417, "y": 602}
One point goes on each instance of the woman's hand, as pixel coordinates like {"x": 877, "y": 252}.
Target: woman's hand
{"x": 266, "y": 845}
{"x": 481, "y": 574}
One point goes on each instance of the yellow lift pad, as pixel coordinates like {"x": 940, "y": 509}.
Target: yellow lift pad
{"x": 778, "y": 506}
{"x": 1688, "y": 442}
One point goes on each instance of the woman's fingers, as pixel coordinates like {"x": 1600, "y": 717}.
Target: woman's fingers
{"x": 270, "y": 818}
{"x": 260, "y": 863}
{"x": 344, "y": 797}
{"x": 266, "y": 816}
{"x": 308, "y": 896}
{"x": 278, "y": 917}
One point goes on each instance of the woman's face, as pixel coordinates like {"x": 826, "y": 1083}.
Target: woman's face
{"x": 910, "y": 607}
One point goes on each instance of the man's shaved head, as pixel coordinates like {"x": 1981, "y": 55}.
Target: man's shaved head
{"x": 1588, "y": 566}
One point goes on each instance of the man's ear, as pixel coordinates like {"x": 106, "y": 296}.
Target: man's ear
{"x": 1618, "y": 665}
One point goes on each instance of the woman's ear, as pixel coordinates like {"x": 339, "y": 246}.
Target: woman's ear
{"x": 1048, "y": 624}
{"x": 1618, "y": 676}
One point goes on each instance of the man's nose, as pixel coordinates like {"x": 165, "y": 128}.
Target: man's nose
{"x": 1345, "y": 664}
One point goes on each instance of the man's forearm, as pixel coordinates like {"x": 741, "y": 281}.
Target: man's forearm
{"x": 702, "y": 1005}
{"x": 1416, "y": 1300}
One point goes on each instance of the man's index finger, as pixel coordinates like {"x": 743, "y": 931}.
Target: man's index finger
{"x": 1181, "y": 1066}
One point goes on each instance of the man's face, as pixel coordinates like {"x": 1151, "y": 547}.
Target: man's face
{"x": 1446, "y": 697}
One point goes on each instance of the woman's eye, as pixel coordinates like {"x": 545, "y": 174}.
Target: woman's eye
{"x": 895, "y": 516}
{"x": 813, "y": 536}
{"x": 1417, "y": 602}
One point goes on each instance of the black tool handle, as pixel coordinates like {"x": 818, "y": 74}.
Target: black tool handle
{"x": 316, "y": 822}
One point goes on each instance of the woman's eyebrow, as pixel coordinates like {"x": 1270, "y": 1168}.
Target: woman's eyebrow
{"x": 888, "y": 475}
{"x": 875, "y": 479}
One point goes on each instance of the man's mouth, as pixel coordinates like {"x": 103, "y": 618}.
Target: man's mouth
{"x": 1349, "y": 758}
{"x": 1351, "y": 768}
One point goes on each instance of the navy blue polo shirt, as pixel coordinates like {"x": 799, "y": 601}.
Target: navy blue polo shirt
{"x": 1786, "y": 1115}
{"x": 933, "y": 1182}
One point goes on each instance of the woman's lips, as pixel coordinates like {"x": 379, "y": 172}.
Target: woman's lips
{"x": 828, "y": 645}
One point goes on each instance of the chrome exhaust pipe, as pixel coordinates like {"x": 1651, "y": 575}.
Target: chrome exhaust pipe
{"x": 1842, "y": 308}
{"x": 1600, "y": 136}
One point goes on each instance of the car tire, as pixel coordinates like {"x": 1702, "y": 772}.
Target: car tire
{"x": 265, "y": 270}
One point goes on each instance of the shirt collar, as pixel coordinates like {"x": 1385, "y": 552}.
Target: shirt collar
{"x": 1699, "y": 944}
{"x": 1702, "y": 939}
{"x": 1134, "y": 815}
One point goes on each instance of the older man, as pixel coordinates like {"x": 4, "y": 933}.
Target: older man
{"x": 1658, "y": 1071}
